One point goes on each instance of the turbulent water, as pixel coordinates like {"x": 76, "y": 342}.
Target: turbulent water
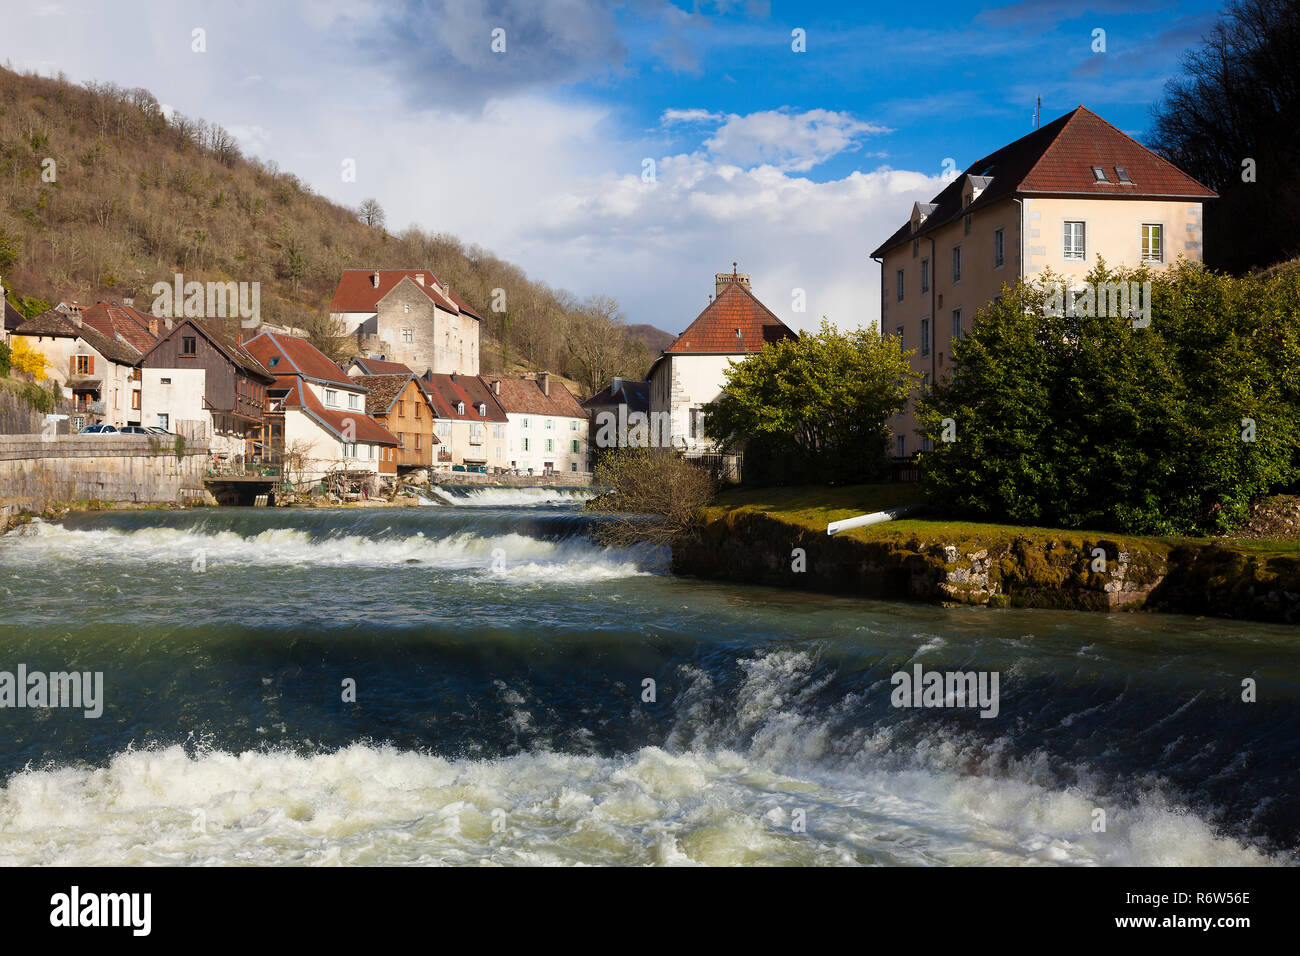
{"x": 500, "y": 658}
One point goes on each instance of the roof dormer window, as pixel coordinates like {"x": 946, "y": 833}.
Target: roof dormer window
{"x": 460, "y": 408}
{"x": 1121, "y": 173}
{"x": 1099, "y": 174}
{"x": 482, "y": 410}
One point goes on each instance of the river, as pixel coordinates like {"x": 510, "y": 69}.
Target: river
{"x": 500, "y": 664}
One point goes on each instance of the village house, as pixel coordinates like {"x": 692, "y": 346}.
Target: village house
{"x": 326, "y": 430}
{"x": 200, "y": 383}
{"x": 470, "y": 426}
{"x": 399, "y": 404}
{"x": 96, "y": 371}
{"x": 547, "y": 428}
{"x": 691, "y": 372}
{"x": 1066, "y": 195}
{"x": 614, "y": 403}
{"x": 408, "y": 316}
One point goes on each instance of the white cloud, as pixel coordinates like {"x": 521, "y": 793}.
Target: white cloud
{"x": 794, "y": 142}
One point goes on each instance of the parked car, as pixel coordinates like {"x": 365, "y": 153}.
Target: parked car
{"x": 98, "y": 430}
{"x": 457, "y": 467}
{"x": 133, "y": 430}
{"x": 477, "y": 469}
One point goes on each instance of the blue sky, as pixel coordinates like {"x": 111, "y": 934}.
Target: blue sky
{"x": 795, "y": 164}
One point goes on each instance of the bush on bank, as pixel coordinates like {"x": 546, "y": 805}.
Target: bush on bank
{"x": 1095, "y": 421}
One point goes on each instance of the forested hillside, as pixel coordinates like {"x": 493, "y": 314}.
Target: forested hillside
{"x": 102, "y": 195}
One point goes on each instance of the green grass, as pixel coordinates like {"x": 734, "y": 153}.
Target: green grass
{"x": 815, "y": 506}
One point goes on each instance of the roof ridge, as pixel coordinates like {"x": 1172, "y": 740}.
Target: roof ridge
{"x": 1069, "y": 118}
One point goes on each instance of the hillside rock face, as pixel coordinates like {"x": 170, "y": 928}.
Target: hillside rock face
{"x": 756, "y": 548}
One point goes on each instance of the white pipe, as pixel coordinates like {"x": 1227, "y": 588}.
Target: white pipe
{"x": 875, "y": 517}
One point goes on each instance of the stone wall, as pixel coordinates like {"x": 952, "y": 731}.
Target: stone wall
{"x": 1209, "y": 579}
{"x": 116, "y": 469}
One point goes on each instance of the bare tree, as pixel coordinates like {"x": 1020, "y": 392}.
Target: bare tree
{"x": 371, "y": 213}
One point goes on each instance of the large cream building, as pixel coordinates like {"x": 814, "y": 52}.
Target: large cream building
{"x": 1059, "y": 198}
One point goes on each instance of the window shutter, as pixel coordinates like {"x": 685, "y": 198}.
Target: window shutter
{"x": 90, "y": 365}
{"x": 72, "y": 365}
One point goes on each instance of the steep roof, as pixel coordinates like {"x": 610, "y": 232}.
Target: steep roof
{"x": 336, "y": 421}
{"x": 12, "y": 318}
{"x": 357, "y": 292}
{"x": 371, "y": 366}
{"x": 56, "y": 324}
{"x": 1057, "y": 160}
{"x": 622, "y": 391}
{"x": 121, "y": 321}
{"x": 446, "y": 390}
{"x": 225, "y": 336}
{"x": 289, "y": 355}
{"x": 733, "y": 323}
{"x": 384, "y": 391}
{"x": 525, "y": 396}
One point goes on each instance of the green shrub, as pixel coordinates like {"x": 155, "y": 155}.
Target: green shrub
{"x": 1089, "y": 421}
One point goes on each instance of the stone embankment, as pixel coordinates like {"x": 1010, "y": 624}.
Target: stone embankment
{"x": 1041, "y": 571}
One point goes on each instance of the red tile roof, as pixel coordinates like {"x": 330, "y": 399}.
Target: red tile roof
{"x": 116, "y": 320}
{"x": 357, "y": 293}
{"x": 1057, "y": 160}
{"x": 524, "y": 396}
{"x": 289, "y": 355}
{"x": 385, "y": 390}
{"x": 337, "y": 421}
{"x": 735, "y": 310}
{"x": 446, "y": 391}
{"x": 55, "y": 324}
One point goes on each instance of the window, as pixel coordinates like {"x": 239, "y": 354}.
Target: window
{"x": 416, "y": 406}
{"x": 1121, "y": 173}
{"x": 927, "y": 444}
{"x": 550, "y": 424}
{"x": 406, "y": 307}
{"x": 84, "y": 365}
{"x": 573, "y": 424}
{"x": 401, "y": 407}
{"x": 956, "y": 325}
{"x": 164, "y": 381}
{"x": 900, "y": 285}
{"x": 573, "y": 446}
{"x": 1073, "y": 239}
{"x": 417, "y": 441}
{"x": 331, "y": 397}
{"x": 189, "y": 345}
{"x": 498, "y": 431}
{"x": 999, "y": 248}
{"x": 550, "y": 445}
{"x": 1099, "y": 174}
{"x": 524, "y": 422}
{"x": 956, "y": 263}
{"x": 968, "y": 224}
{"x": 460, "y": 408}
{"x": 524, "y": 446}
{"x": 408, "y": 335}
{"x": 900, "y": 446}
{"x": 573, "y": 466}
{"x": 354, "y": 401}
{"x": 925, "y": 336}
{"x": 1153, "y": 242}
{"x": 135, "y": 399}
{"x": 925, "y": 275}
{"x": 482, "y": 410}
{"x": 925, "y": 384}
{"x": 496, "y": 453}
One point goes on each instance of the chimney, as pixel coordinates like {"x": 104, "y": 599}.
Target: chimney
{"x": 723, "y": 279}
{"x": 128, "y": 301}
{"x": 615, "y": 385}
{"x": 374, "y": 278}
{"x": 74, "y": 314}
{"x": 419, "y": 277}
{"x": 453, "y": 376}
{"x": 153, "y": 326}
{"x": 496, "y": 386}
{"x": 167, "y": 322}
{"x": 544, "y": 382}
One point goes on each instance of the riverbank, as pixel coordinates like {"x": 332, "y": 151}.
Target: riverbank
{"x": 778, "y": 537}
